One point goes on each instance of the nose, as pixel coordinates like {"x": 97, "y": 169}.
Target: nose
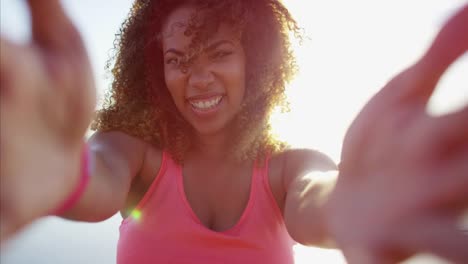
{"x": 200, "y": 76}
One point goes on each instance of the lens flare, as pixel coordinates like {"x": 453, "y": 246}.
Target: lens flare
{"x": 136, "y": 214}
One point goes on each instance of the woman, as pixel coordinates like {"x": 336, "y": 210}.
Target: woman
{"x": 184, "y": 142}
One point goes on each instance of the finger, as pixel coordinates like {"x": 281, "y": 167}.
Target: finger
{"x": 450, "y": 43}
{"x": 439, "y": 236}
{"x": 14, "y": 63}
{"x": 51, "y": 27}
{"x": 417, "y": 83}
{"x": 384, "y": 105}
{"x": 450, "y": 132}
{"x": 6, "y": 229}
{"x": 453, "y": 181}
{"x": 7, "y": 226}
{"x": 358, "y": 256}
{"x": 7, "y": 61}
{"x": 68, "y": 69}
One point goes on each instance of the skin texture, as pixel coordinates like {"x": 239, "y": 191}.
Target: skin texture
{"x": 218, "y": 70}
{"x": 376, "y": 211}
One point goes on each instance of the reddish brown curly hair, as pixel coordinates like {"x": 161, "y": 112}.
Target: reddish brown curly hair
{"x": 139, "y": 102}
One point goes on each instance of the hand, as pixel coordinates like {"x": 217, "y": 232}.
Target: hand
{"x": 403, "y": 181}
{"x": 47, "y": 101}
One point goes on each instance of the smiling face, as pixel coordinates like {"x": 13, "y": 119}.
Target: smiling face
{"x": 209, "y": 89}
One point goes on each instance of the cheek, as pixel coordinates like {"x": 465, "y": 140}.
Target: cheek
{"x": 238, "y": 81}
{"x": 242, "y": 81}
{"x": 175, "y": 85}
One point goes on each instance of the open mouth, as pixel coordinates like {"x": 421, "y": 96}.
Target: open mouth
{"x": 205, "y": 104}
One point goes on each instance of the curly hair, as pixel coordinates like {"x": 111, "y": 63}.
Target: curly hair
{"x": 139, "y": 102}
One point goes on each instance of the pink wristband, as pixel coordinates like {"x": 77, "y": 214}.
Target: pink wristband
{"x": 75, "y": 196}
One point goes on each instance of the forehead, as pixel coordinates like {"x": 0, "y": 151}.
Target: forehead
{"x": 177, "y": 20}
{"x": 173, "y": 30}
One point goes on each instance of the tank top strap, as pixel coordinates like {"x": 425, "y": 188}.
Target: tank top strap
{"x": 261, "y": 168}
{"x": 262, "y": 171}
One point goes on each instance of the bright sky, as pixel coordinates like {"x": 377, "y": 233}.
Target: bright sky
{"x": 355, "y": 47}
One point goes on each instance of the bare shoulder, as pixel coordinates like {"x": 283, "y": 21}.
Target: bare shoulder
{"x": 141, "y": 159}
{"x": 308, "y": 159}
{"x": 151, "y": 164}
{"x": 117, "y": 139}
{"x": 285, "y": 166}
{"x": 150, "y": 167}
{"x": 127, "y": 149}
{"x": 298, "y": 162}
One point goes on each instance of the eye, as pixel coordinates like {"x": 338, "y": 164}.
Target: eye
{"x": 220, "y": 54}
{"x": 172, "y": 61}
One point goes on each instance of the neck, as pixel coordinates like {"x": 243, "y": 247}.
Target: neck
{"x": 212, "y": 147}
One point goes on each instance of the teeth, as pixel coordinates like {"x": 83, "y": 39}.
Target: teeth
{"x": 206, "y": 104}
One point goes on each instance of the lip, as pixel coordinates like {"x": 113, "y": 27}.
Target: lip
{"x": 206, "y": 96}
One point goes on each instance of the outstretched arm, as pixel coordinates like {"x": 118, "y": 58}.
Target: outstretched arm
{"x": 115, "y": 159}
{"x": 403, "y": 177}
{"x": 308, "y": 177}
{"x": 47, "y": 101}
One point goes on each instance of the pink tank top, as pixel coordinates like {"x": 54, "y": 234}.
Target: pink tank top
{"x": 164, "y": 229}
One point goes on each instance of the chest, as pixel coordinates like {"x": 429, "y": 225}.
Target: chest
{"x": 218, "y": 196}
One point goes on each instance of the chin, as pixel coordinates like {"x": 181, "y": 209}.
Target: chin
{"x": 208, "y": 130}
{"x": 211, "y": 128}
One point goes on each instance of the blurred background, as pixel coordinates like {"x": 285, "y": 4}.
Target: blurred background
{"x": 353, "y": 48}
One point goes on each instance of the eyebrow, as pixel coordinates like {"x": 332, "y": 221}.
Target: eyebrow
{"x": 211, "y": 47}
{"x": 177, "y": 52}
